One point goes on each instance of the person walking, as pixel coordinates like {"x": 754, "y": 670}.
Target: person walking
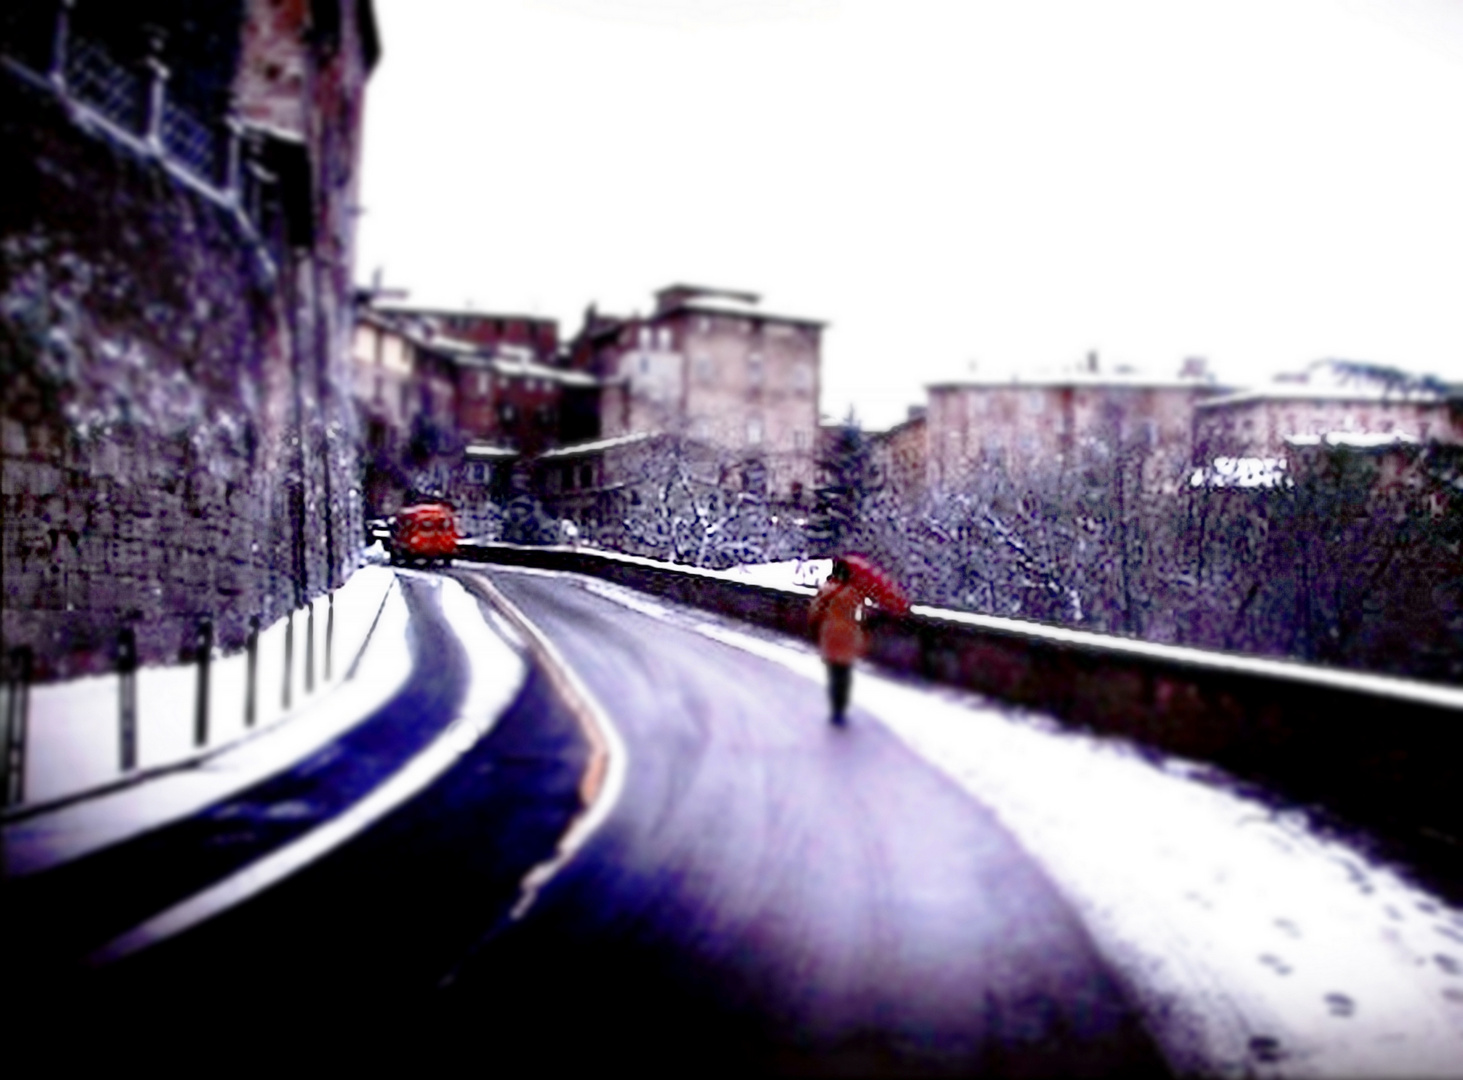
{"x": 837, "y": 617}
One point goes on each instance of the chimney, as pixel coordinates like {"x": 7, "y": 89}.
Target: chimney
{"x": 1194, "y": 367}
{"x": 1092, "y": 361}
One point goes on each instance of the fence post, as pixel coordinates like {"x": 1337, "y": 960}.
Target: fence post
{"x": 204, "y": 646}
{"x": 232, "y": 161}
{"x": 310, "y": 648}
{"x": 127, "y": 696}
{"x": 289, "y": 658}
{"x": 60, "y": 42}
{"x": 157, "y": 89}
{"x": 16, "y": 720}
{"x": 251, "y": 674}
{"x": 329, "y": 631}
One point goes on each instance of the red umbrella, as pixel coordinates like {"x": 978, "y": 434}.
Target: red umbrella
{"x": 875, "y": 583}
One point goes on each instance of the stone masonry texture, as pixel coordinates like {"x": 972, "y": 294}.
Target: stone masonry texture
{"x": 172, "y": 444}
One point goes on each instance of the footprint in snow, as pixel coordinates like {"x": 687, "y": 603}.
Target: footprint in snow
{"x": 1279, "y": 966}
{"x": 1454, "y": 995}
{"x": 1448, "y": 964}
{"x": 1340, "y": 1005}
{"x": 1288, "y": 927}
{"x": 1449, "y": 932}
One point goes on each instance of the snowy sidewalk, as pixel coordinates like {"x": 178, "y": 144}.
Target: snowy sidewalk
{"x": 73, "y": 736}
{"x": 307, "y": 741}
{"x": 1253, "y": 945}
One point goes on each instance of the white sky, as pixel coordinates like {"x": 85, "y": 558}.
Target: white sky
{"x": 1263, "y": 182}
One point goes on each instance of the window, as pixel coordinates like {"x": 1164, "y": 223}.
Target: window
{"x": 566, "y": 477}
{"x": 755, "y": 370}
{"x": 586, "y": 475}
{"x": 507, "y": 413}
{"x": 664, "y": 336}
{"x": 754, "y": 431}
{"x": 802, "y": 377}
{"x": 645, "y": 337}
{"x": 484, "y": 381}
{"x": 702, "y": 366}
{"x": 1035, "y": 400}
{"x": 800, "y": 440}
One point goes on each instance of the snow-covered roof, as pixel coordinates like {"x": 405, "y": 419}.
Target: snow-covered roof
{"x": 443, "y": 343}
{"x": 524, "y": 368}
{"x": 462, "y": 312}
{"x": 484, "y": 450}
{"x": 599, "y": 445}
{"x": 1361, "y": 440}
{"x": 1286, "y": 391}
{"x": 1341, "y": 381}
{"x": 1128, "y": 380}
{"x": 725, "y": 305}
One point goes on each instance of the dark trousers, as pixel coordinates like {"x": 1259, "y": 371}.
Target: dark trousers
{"x": 840, "y": 680}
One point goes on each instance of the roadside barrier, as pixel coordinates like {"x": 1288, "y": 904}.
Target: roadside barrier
{"x": 1368, "y": 750}
{"x": 63, "y": 741}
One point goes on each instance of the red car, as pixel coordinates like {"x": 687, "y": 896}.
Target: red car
{"x": 424, "y": 532}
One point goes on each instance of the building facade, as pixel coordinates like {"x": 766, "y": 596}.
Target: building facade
{"x": 1027, "y": 427}
{"x": 1328, "y": 400}
{"x": 711, "y": 366}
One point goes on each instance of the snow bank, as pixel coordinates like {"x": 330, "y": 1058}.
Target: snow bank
{"x": 781, "y": 575}
{"x": 74, "y": 727}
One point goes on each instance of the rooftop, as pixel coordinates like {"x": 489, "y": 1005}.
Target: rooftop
{"x": 1358, "y": 440}
{"x": 1344, "y": 380}
{"x": 462, "y": 312}
{"x": 598, "y": 445}
{"x": 1133, "y": 380}
{"x": 484, "y": 450}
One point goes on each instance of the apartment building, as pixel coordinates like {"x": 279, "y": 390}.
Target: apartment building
{"x": 713, "y": 366}
{"x": 1331, "y": 400}
{"x": 1027, "y": 425}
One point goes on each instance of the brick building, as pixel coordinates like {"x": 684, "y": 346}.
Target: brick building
{"x": 175, "y": 246}
{"x": 711, "y": 366}
{"x": 455, "y": 400}
{"x": 1329, "y": 398}
{"x": 1029, "y": 425}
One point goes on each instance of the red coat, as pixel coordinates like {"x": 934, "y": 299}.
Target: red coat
{"x": 837, "y": 613}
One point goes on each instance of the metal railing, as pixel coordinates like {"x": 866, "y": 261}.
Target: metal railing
{"x": 193, "y": 144}
{"x": 93, "y": 79}
{"x": 129, "y": 103}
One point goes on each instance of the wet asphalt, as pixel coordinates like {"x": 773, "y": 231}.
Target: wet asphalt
{"x": 775, "y": 894}
{"x": 769, "y": 894}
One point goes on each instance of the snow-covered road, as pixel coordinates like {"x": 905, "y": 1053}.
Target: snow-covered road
{"x": 1255, "y": 945}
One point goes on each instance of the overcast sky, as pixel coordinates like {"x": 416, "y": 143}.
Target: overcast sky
{"x": 1009, "y": 183}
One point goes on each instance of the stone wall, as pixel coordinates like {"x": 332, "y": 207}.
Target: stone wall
{"x": 160, "y": 373}
{"x": 1363, "y": 750}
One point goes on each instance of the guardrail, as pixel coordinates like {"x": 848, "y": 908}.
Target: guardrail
{"x": 1374, "y": 751}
